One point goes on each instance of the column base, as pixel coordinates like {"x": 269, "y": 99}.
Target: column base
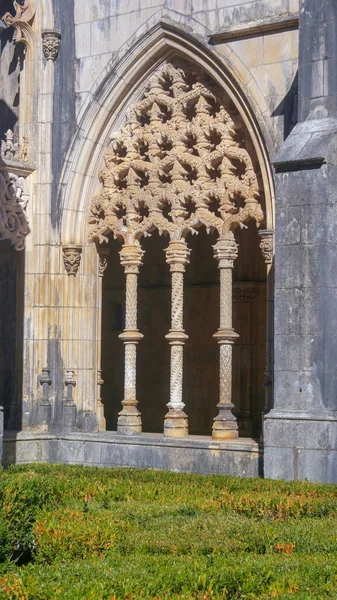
{"x": 225, "y": 425}
{"x": 176, "y": 424}
{"x": 129, "y": 419}
{"x": 100, "y": 416}
{"x": 44, "y": 416}
{"x": 69, "y": 415}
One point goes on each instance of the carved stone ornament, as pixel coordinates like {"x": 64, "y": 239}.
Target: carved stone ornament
{"x": 51, "y": 41}
{"x": 267, "y": 245}
{"x": 22, "y": 20}
{"x": 12, "y": 151}
{"x": 180, "y": 162}
{"x": 72, "y": 258}
{"x": 13, "y": 221}
{"x": 103, "y": 257}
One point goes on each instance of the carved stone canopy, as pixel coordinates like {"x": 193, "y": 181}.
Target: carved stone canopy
{"x": 182, "y": 160}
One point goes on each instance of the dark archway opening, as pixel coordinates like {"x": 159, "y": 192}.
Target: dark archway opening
{"x": 11, "y": 334}
{"x": 201, "y": 320}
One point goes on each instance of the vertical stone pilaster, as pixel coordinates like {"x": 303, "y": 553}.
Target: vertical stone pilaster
{"x": 176, "y": 423}
{"x": 103, "y": 254}
{"x": 267, "y": 249}
{"x": 225, "y": 424}
{"x": 69, "y": 406}
{"x": 129, "y": 419}
{"x": 45, "y": 404}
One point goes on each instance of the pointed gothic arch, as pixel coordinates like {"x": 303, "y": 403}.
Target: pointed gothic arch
{"x": 121, "y": 84}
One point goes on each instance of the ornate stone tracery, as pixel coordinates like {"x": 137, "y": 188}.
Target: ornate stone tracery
{"x": 180, "y": 162}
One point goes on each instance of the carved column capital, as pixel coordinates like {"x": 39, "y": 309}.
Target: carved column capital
{"x": 103, "y": 256}
{"x": 177, "y": 256}
{"x": 72, "y": 258}
{"x": 51, "y": 41}
{"x": 131, "y": 257}
{"x": 226, "y": 251}
{"x": 267, "y": 245}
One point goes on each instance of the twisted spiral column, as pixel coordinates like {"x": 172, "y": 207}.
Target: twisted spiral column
{"x": 225, "y": 424}
{"x": 103, "y": 254}
{"x": 176, "y": 423}
{"x": 129, "y": 419}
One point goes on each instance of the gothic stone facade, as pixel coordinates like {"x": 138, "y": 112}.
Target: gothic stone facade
{"x": 167, "y": 235}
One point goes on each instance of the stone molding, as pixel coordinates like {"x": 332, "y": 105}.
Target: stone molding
{"x": 51, "y": 42}
{"x": 13, "y": 221}
{"x": 72, "y": 258}
{"x": 22, "y": 21}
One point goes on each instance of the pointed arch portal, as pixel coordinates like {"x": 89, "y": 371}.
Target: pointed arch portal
{"x": 183, "y": 164}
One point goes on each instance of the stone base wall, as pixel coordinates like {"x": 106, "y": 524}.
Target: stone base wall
{"x": 242, "y": 457}
{"x": 301, "y": 446}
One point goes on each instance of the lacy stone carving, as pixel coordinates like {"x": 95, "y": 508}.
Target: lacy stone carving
{"x": 51, "y": 41}
{"x": 72, "y": 258}
{"x": 179, "y": 163}
{"x": 22, "y": 20}
{"x": 13, "y": 221}
{"x": 12, "y": 151}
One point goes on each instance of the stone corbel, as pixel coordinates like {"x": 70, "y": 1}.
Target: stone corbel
{"x": 72, "y": 258}
{"x": 51, "y": 42}
{"x": 22, "y": 21}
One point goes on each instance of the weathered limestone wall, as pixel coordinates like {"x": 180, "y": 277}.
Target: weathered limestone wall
{"x": 301, "y": 431}
{"x": 75, "y": 122}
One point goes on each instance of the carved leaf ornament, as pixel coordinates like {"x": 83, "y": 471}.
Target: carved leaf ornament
{"x": 180, "y": 162}
{"x": 13, "y": 221}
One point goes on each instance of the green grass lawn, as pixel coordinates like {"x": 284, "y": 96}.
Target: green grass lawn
{"x": 85, "y": 533}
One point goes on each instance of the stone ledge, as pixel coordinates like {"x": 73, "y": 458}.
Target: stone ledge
{"x": 255, "y": 28}
{"x": 196, "y": 454}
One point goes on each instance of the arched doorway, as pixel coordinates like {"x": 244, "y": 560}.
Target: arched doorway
{"x": 184, "y": 164}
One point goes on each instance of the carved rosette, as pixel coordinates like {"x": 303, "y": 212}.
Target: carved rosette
{"x": 72, "y": 258}
{"x": 51, "y": 42}
{"x": 13, "y": 221}
{"x": 267, "y": 245}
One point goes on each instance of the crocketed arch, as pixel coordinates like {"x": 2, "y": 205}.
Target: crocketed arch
{"x": 182, "y": 160}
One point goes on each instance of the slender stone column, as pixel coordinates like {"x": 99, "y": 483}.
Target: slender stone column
{"x": 103, "y": 254}
{"x": 266, "y": 245}
{"x": 225, "y": 424}
{"x": 176, "y": 423}
{"x": 129, "y": 419}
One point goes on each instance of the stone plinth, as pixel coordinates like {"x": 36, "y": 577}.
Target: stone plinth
{"x": 197, "y": 454}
